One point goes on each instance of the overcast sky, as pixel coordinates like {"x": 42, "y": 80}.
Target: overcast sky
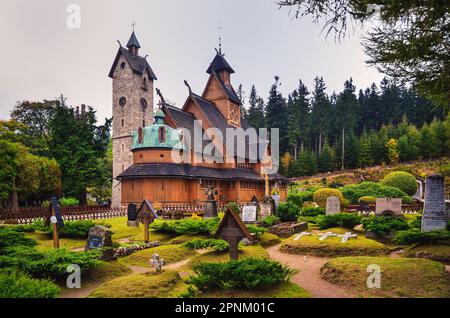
{"x": 42, "y": 58}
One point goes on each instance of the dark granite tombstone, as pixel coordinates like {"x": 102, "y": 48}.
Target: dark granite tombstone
{"x": 211, "y": 204}
{"x": 434, "y": 213}
{"x": 147, "y": 215}
{"x": 233, "y": 230}
{"x": 100, "y": 238}
{"x": 132, "y": 215}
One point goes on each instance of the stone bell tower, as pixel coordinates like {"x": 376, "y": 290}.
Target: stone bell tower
{"x": 132, "y": 103}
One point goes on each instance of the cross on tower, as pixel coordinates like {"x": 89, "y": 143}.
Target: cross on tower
{"x": 133, "y": 25}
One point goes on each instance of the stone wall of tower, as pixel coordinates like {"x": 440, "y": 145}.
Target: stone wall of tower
{"x": 127, "y": 118}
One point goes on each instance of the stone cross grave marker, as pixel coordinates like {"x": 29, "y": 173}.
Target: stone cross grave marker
{"x": 434, "y": 210}
{"x": 299, "y": 236}
{"x": 326, "y": 235}
{"x": 388, "y": 206}
{"x": 333, "y": 205}
{"x": 157, "y": 263}
{"x": 211, "y": 204}
{"x": 233, "y": 230}
{"x": 249, "y": 214}
{"x": 347, "y": 236}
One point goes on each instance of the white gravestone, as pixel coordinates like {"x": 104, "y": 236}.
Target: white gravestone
{"x": 327, "y": 235}
{"x": 333, "y": 205}
{"x": 387, "y": 206}
{"x": 299, "y": 236}
{"x": 249, "y": 214}
{"x": 347, "y": 236}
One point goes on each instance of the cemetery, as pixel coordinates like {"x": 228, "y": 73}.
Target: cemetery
{"x": 300, "y": 243}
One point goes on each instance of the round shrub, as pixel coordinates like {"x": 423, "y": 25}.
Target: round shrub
{"x": 288, "y": 212}
{"x": 402, "y": 180}
{"x": 311, "y": 211}
{"x": 321, "y": 196}
{"x": 353, "y": 192}
{"x": 345, "y": 220}
{"x": 367, "y": 199}
{"x": 296, "y": 199}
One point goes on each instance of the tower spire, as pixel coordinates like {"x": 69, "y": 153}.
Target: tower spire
{"x": 220, "y": 39}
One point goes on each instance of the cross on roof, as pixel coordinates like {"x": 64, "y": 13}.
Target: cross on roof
{"x": 133, "y": 25}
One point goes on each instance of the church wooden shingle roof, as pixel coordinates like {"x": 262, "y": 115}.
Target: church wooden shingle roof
{"x": 218, "y": 64}
{"x": 186, "y": 171}
{"x": 138, "y": 64}
{"x": 133, "y": 41}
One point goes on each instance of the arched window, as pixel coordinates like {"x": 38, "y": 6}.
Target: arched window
{"x": 162, "y": 135}
{"x": 144, "y": 82}
{"x": 140, "y": 135}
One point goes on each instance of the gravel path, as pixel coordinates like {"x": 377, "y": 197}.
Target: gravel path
{"x": 308, "y": 276}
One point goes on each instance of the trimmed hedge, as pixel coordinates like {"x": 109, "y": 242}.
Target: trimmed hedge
{"x": 346, "y": 220}
{"x": 288, "y": 212}
{"x": 250, "y": 273}
{"x": 402, "y": 180}
{"x": 187, "y": 226}
{"x": 198, "y": 244}
{"x": 321, "y": 196}
{"x": 416, "y": 236}
{"x": 312, "y": 211}
{"x": 384, "y": 225}
{"x": 353, "y": 192}
{"x": 270, "y": 220}
{"x": 295, "y": 198}
{"x": 367, "y": 200}
{"x": 14, "y": 284}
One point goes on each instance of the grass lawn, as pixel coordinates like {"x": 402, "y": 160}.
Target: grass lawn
{"x": 170, "y": 253}
{"x": 284, "y": 290}
{"x": 167, "y": 284}
{"x": 188, "y": 237}
{"x": 332, "y": 246}
{"x": 400, "y": 277}
{"x": 436, "y": 252}
{"x": 45, "y": 241}
{"x": 268, "y": 239}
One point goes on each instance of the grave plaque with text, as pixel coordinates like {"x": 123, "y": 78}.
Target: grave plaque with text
{"x": 434, "y": 212}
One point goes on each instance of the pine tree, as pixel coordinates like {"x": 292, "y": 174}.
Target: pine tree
{"x": 326, "y": 159}
{"x": 255, "y": 115}
{"x": 276, "y": 114}
{"x": 365, "y": 155}
{"x": 298, "y": 118}
{"x": 241, "y": 95}
{"x": 320, "y": 112}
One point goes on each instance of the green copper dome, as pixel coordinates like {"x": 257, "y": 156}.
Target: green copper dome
{"x": 158, "y": 135}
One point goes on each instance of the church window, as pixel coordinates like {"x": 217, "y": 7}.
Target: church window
{"x": 143, "y": 123}
{"x": 123, "y": 147}
{"x": 144, "y": 83}
{"x": 161, "y": 156}
{"x": 162, "y": 186}
{"x": 123, "y": 122}
{"x": 144, "y": 103}
{"x": 162, "y": 135}
{"x": 122, "y": 101}
{"x": 122, "y": 66}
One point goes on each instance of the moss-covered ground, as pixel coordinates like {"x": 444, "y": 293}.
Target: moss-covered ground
{"x": 400, "y": 277}
{"x": 436, "y": 252}
{"x": 332, "y": 246}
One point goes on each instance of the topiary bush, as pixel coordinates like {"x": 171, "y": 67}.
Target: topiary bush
{"x": 77, "y": 229}
{"x": 288, "y": 212}
{"x": 250, "y": 273}
{"x": 312, "y": 211}
{"x": 413, "y": 236}
{"x": 346, "y": 220}
{"x": 198, "y": 244}
{"x": 367, "y": 200}
{"x": 10, "y": 239}
{"x": 402, "y": 180}
{"x": 14, "y": 284}
{"x": 258, "y": 231}
{"x": 321, "y": 196}
{"x": 187, "y": 226}
{"x": 384, "y": 225}
{"x": 353, "y": 192}
{"x": 270, "y": 220}
{"x": 295, "y": 198}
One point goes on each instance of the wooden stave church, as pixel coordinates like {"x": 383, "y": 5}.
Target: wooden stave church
{"x": 154, "y": 177}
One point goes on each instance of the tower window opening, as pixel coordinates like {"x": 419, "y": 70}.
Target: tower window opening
{"x": 162, "y": 135}
{"x": 140, "y": 135}
{"x": 123, "y": 122}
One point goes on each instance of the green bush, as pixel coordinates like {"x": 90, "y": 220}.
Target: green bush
{"x": 353, "y": 192}
{"x": 250, "y": 273}
{"x": 77, "y": 229}
{"x": 346, "y": 220}
{"x": 187, "y": 226}
{"x": 367, "y": 200}
{"x": 198, "y": 244}
{"x": 384, "y": 225}
{"x": 9, "y": 239}
{"x": 69, "y": 202}
{"x": 413, "y": 236}
{"x": 14, "y": 284}
{"x": 402, "y": 180}
{"x": 234, "y": 207}
{"x": 305, "y": 196}
{"x": 24, "y": 228}
{"x": 321, "y": 196}
{"x": 270, "y": 220}
{"x": 258, "y": 231}
{"x": 312, "y": 211}
{"x": 288, "y": 212}
{"x": 295, "y": 198}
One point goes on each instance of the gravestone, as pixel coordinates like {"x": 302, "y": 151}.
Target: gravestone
{"x": 249, "y": 214}
{"x": 388, "y": 207}
{"x": 157, "y": 263}
{"x": 211, "y": 204}
{"x": 132, "y": 215}
{"x": 434, "y": 210}
{"x": 100, "y": 238}
{"x": 233, "y": 230}
{"x": 324, "y": 236}
{"x": 333, "y": 205}
{"x": 267, "y": 207}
